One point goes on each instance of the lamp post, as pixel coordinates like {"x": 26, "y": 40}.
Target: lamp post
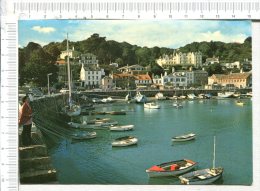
{"x": 48, "y": 77}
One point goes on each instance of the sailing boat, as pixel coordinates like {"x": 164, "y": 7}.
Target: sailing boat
{"x": 73, "y": 109}
{"x": 204, "y": 176}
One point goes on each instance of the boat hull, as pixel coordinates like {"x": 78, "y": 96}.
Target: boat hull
{"x": 124, "y": 143}
{"x": 184, "y": 138}
{"x": 153, "y": 174}
{"x": 121, "y": 128}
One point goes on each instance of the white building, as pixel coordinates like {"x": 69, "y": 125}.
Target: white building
{"x": 132, "y": 69}
{"x": 91, "y": 75}
{"x": 71, "y": 52}
{"x": 191, "y": 58}
{"x": 232, "y": 65}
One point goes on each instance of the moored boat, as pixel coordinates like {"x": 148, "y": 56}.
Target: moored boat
{"x": 185, "y": 137}
{"x": 84, "y": 135}
{"x": 177, "y": 105}
{"x": 191, "y": 96}
{"x": 225, "y": 94}
{"x": 160, "y": 96}
{"x": 152, "y": 105}
{"x": 139, "y": 98}
{"x": 124, "y": 141}
{"x": 240, "y": 103}
{"x": 172, "y": 168}
{"x": 121, "y": 128}
{"x": 204, "y": 176}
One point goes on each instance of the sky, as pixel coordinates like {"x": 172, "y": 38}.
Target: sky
{"x": 149, "y": 33}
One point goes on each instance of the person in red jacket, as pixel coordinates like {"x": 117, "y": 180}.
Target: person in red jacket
{"x": 25, "y": 119}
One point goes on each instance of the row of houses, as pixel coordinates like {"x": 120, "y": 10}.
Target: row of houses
{"x": 91, "y": 75}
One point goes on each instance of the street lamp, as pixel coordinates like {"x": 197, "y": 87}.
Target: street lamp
{"x": 48, "y": 77}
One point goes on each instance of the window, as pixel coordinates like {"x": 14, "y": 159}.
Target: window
{"x": 97, "y": 77}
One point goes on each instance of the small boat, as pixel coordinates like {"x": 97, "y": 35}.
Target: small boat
{"x": 160, "y": 96}
{"x": 207, "y": 96}
{"x": 172, "y": 168}
{"x": 186, "y": 137}
{"x": 129, "y": 98}
{"x": 117, "y": 113}
{"x": 124, "y": 141}
{"x": 225, "y": 94}
{"x": 96, "y": 100}
{"x": 107, "y": 100}
{"x": 177, "y": 105}
{"x": 98, "y": 124}
{"x": 191, "y": 96}
{"x": 121, "y": 128}
{"x": 152, "y": 105}
{"x": 240, "y": 103}
{"x": 204, "y": 176}
{"x": 139, "y": 98}
{"x": 84, "y": 135}
{"x": 182, "y": 97}
{"x": 75, "y": 110}
{"x": 249, "y": 94}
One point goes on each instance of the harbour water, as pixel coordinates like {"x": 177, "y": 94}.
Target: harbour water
{"x": 96, "y": 162}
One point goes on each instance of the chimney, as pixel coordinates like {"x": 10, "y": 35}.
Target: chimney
{"x": 241, "y": 70}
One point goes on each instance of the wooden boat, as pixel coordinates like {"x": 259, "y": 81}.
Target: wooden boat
{"x": 121, "y": 128}
{"x": 99, "y": 124}
{"x": 204, "y": 176}
{"x": 172, "y": 168}
{"x": 84, "y": 135}
{"x": 124, "y": 141}
{"x": 185, "y": 137}
{"x": 117, "y": 113}
{"x": 152, "y": 105}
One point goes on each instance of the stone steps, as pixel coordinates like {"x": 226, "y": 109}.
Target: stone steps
{"x": 32, "y": 151}
{"x": 36, "y": 163}
{"x": 38, "y": 176}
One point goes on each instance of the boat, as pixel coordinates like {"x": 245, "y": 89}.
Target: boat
{"x": 72, "y": 109}
{"x": 182, "y": 97}
{"x": 84, "y": 135}
{"x": 93, "y": 124}
{"x": 152, "y": 105}
{"x": 107, "y": 100}
{"x": 160, "y": 96}
{"x": 185, "y": 137}
{"x": 225, "y": 94}
{"x": 191, "y": 96}
{"x": 240, "y": 103}
{"x": 177, "y": 105}
{"x": 204, "y": 176}
{"x": 124, "y": 141}
{"x": 139, "y": 98}
{"x": 121, "y": 128}
{"x": 172, "y": 168}
{"x": 96, "y": 100}
{"x": 129, "y": 98}
{"x": 249, "y": 94}
{"x": 117, "y": 113}
{"x": 207, "y": 96}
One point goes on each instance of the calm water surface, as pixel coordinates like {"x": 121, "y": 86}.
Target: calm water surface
{"x": 96, "y": 162}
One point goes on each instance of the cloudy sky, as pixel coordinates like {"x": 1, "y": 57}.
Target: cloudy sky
{"x": 161, "y": 33}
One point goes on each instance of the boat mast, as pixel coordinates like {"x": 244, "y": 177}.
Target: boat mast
{"x": 68, "y": 64}
{"x": 214, "y": 155}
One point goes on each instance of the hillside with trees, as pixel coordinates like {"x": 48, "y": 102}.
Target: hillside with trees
{"x": 35, "y": 62}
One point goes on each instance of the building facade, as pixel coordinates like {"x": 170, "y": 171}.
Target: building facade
{"x": 91, "y": 75}
{"x": 239, "y": 80}
{"x": 132, "y": 69}
{"x": 107, "y": 83}
{"x": 190, "y": 58}
{"x": 88, "y": 58}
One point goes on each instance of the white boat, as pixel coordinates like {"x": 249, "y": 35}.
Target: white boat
{"x": 172, "y": 168}
{"x": 139, "y": 98}
{"x": 177, "y": 105}
{"x": 152, "y": 105}
{"x": 124, "y": 141}
{"x": 160, "y": 96}
{"x": 185, "y": 137}
{"x": 240, "y": 103}
{"x": 107, "y": 100}
{"x": 75, "y": 110}
{"x": 225, "y": 94}
{"x": 191, "y": 96}
{"x": 129, "y": 98}
{"x": 250, "y": 94}
{"x": 98, "y": 124}
{"x": 84, "y": 135}
{"x": 121, "y": 128}
{"x": 182, "y": 97}
{"x": 204, "y": 176}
